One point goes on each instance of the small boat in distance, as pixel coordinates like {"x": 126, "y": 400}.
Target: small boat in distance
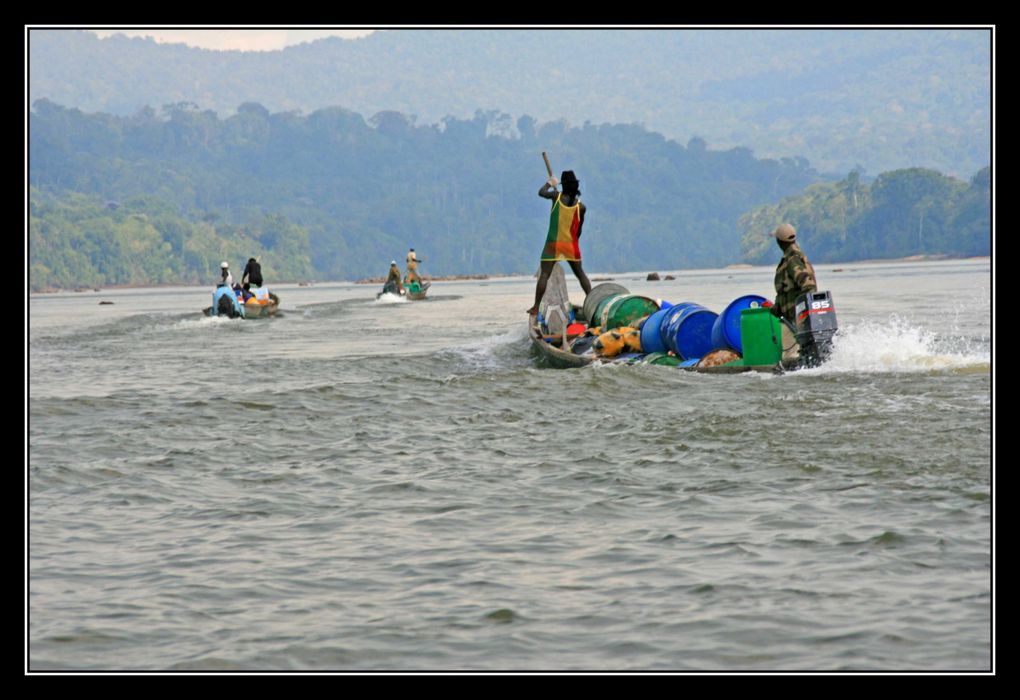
{"x": 391, "y": 288}
{"x": 262, "y": 304}
{"x": 417, "y": 292}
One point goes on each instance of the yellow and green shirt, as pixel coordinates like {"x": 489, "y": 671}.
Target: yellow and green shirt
{"x": 564, "y": 230}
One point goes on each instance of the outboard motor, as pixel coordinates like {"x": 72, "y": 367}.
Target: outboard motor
{"x": 815, "y": 325}
{"x": 226, "y": 307}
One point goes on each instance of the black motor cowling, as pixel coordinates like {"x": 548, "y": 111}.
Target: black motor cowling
{"x": 815, "y": 325}
{"x": 226, "y": 307}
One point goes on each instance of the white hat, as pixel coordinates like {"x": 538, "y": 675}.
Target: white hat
{"x": 224, "y": 265}
{"x": 393, "y": 262}
{"x": 785, "y": 233}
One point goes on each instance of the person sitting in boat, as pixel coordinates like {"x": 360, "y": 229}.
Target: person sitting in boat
{"x": 412, "y": 268}
{"x": 393, "y": 285}
{"x": 794, "y": 274}
{"x": 226, "y": 279}
{"x": 252, "y": 275}
{"x": 562, "y": 241}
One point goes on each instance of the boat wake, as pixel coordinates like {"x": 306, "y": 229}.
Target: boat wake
{"x": 387, "y": 299}
{"x": 191, "y": 323}
{"x": 898, "y": 346}
{"x": 510, "y": 350}
{"x": 892, "y": 346}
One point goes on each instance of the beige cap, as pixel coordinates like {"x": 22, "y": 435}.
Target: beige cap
{"x": 785, "y": 233}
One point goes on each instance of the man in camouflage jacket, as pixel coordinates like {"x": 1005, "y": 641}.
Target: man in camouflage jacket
{"x": 794, "y": 274}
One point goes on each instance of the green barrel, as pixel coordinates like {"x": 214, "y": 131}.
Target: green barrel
{"x": 761, "y": 337}
{"x": 599, "y": 314}
{"x": 597, "y": 294}
{"x": 626, "y": 309}
{"x": 660, "y": 358}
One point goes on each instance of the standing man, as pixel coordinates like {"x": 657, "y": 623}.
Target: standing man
{"x": 412, "y": 268}
{"x": 562, "y": 241}
{"x": 794, "y": 274}
{"x": 252, "y": 275}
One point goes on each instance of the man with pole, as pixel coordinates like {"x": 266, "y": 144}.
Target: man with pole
{"x": 562, "y": 240}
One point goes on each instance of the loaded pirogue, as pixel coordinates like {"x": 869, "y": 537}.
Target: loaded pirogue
{"x": 417, "y": 290}
{"x": 616, "y": 326}
{"x": 232, "y": 303}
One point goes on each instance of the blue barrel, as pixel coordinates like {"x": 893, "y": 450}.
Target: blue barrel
{"x": 673, "y": 310}
{"x": 689, "y": 330}
{"x": 726, "y": 331}
{"x": 651, "y": 334}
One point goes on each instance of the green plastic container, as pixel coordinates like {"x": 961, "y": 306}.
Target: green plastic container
{"x": 626, "y": 309}
{"x": 761, "y": 336}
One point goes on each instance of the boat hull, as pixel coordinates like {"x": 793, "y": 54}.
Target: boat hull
{"x": 255, "y": 311}
{"x": 419, "y": 295}
{"x": 564, "y": 359}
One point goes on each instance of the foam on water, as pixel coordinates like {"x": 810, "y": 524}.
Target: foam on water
{"x": 203, "y": 322}
{"x": 388, "y": 298}
{"x": 896, "y": 345}
{"x": 495, "y": 352}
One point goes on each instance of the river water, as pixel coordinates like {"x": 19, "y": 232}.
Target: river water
{"x": 363, "y": 485}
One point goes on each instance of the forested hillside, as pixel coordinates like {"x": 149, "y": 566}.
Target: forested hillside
{"x": 333, "y": 195}
{"x": 902, "y": 213}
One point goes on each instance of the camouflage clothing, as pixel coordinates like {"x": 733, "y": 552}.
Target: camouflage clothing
{"x": 794, "y": 276}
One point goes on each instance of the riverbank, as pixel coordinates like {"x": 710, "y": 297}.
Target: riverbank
{"x": 873, "y": 261}
{"x": 444, "y": 278}
{"x": 84, "y": 289}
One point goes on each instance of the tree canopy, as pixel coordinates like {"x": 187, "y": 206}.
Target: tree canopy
{"x": 165, "y": 195}
{"x": 906, "y": 212}
{"x": 364, "y": 190}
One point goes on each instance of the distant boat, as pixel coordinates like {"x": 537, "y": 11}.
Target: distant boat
{"x": 259, "y": 310}
{"x": 231, "y": 307}
{"x": 417, "y": 292}
{"x": 391, "y": 288}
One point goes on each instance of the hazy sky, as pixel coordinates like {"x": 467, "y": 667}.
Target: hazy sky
{"x": 237, "y": 39}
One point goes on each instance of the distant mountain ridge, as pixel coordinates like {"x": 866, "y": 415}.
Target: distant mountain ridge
{"x": 881, "y": 99}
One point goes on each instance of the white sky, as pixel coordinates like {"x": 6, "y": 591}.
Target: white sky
{"x": 236, "y": 39}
